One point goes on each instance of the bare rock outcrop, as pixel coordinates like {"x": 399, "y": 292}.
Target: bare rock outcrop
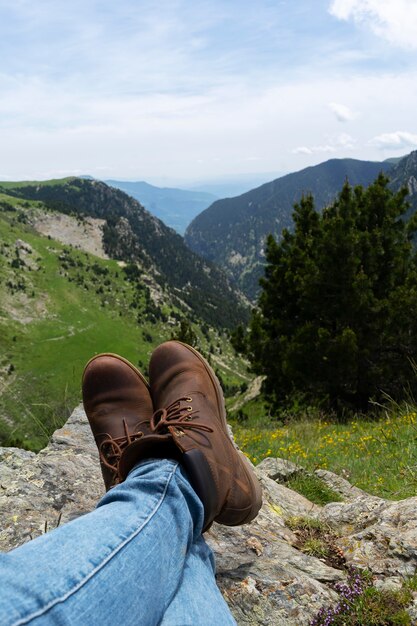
{"x": 265, "y": 577}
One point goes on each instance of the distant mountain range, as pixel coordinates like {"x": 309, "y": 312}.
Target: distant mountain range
{"x": 175, "y": 207}
{"x": 231, "y": 232}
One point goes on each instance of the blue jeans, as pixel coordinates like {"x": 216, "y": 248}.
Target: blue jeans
{"x": 138, "y": 558}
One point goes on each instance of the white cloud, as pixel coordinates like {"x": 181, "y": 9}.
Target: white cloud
{"x": 345, "y": 141}
{"x": 302, "y": 150}
{"x": 334, "y": 144}
{"x": 394, "y": 20}
{"x": 342, "y": 112}
{"x": 394, "y": 141}
{"x": 45, "y": 128}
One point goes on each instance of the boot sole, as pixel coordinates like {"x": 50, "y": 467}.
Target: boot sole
{"x": 119, "y": 358}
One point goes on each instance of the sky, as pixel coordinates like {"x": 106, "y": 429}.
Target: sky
{"x": 180, "y": 91}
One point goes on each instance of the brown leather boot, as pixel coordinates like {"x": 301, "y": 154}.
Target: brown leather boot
{"x": 191, "y": 411}
{"x": 118, "y": 405}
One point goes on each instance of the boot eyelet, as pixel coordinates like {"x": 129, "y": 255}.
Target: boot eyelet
{"x": 188, "y": 399}
{"x": 189, "y": 408}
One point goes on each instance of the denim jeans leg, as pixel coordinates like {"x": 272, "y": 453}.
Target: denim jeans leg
{"x": 198, "y": 600}
{"x": 120, "y": 564}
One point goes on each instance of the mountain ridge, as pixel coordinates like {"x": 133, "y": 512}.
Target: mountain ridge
{"x": 131, "y": 233}
{"x": 231, "y": 232}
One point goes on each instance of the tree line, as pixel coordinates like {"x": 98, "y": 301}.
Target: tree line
{"x": 336, "y": 320}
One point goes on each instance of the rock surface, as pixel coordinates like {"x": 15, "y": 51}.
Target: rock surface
{"x": 263, "y": 575}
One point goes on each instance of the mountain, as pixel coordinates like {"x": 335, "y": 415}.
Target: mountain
{"x": 175, "y": 207}
{"x": 231, "y": 232}
{"x": 132, "y": 234}
{"x": 404, "y": 174}
{"x": 63, "y": 299}
{"x": 394, "y": 160}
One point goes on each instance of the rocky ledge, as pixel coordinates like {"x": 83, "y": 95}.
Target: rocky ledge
{"x": 263, "y": 572}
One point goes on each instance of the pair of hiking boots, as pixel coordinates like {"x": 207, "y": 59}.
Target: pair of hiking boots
{"x": 179, "y": 415}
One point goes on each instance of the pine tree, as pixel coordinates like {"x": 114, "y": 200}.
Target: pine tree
{"x": 336, "y": 315}
{"x": 185, "y": 333}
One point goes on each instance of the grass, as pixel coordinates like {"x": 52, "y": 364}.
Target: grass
{"x": 313, "y": 489}
{"x": 362, "y": 604}
{"x": 59, "y": 307}
{"x": 315, "y": 547}
{"x": 377, "y": 455}
{"x": 317, "y": 539}
{"x": 48, "y": 353}
{"x": 301, "y": 522}
{"x": 37, "y": 183}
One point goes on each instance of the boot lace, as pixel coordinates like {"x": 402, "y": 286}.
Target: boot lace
{"x": 177, "y": 416}
{"x": 110, "y": 449}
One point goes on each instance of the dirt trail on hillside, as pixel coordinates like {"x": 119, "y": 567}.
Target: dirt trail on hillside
{"x": 253, "y": 390}
{"x": 71, "y": 333}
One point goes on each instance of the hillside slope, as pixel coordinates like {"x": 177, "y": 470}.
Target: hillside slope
{"x": 231, "y": 232}
{"x": 175, "y": 207}
{"x": 60, "y": 305}
{"x": 131, "y": 234}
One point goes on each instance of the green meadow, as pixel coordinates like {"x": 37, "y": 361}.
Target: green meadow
{"x": 377, "y": 454}
{"x": 58, "y": 307}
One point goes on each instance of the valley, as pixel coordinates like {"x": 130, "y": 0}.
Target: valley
{"x": 60, "y": 304}
{"x": 175, "y": 207}
{"x": 85, "y": 269}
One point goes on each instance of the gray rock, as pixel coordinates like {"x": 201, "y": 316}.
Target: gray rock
{"x": 263, "y": 575}
{"x": 339, "y": 485}
{"x": 354, "y": 515}
{"x": 280, "y": 470}
{"x": 39, "y": 491}
{"x": 412, "y": 610}
{"x": 378, "y": 534}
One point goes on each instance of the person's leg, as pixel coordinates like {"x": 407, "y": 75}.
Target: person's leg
{"x": 198, "y": 601}
{"x": 123, "y": 563}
